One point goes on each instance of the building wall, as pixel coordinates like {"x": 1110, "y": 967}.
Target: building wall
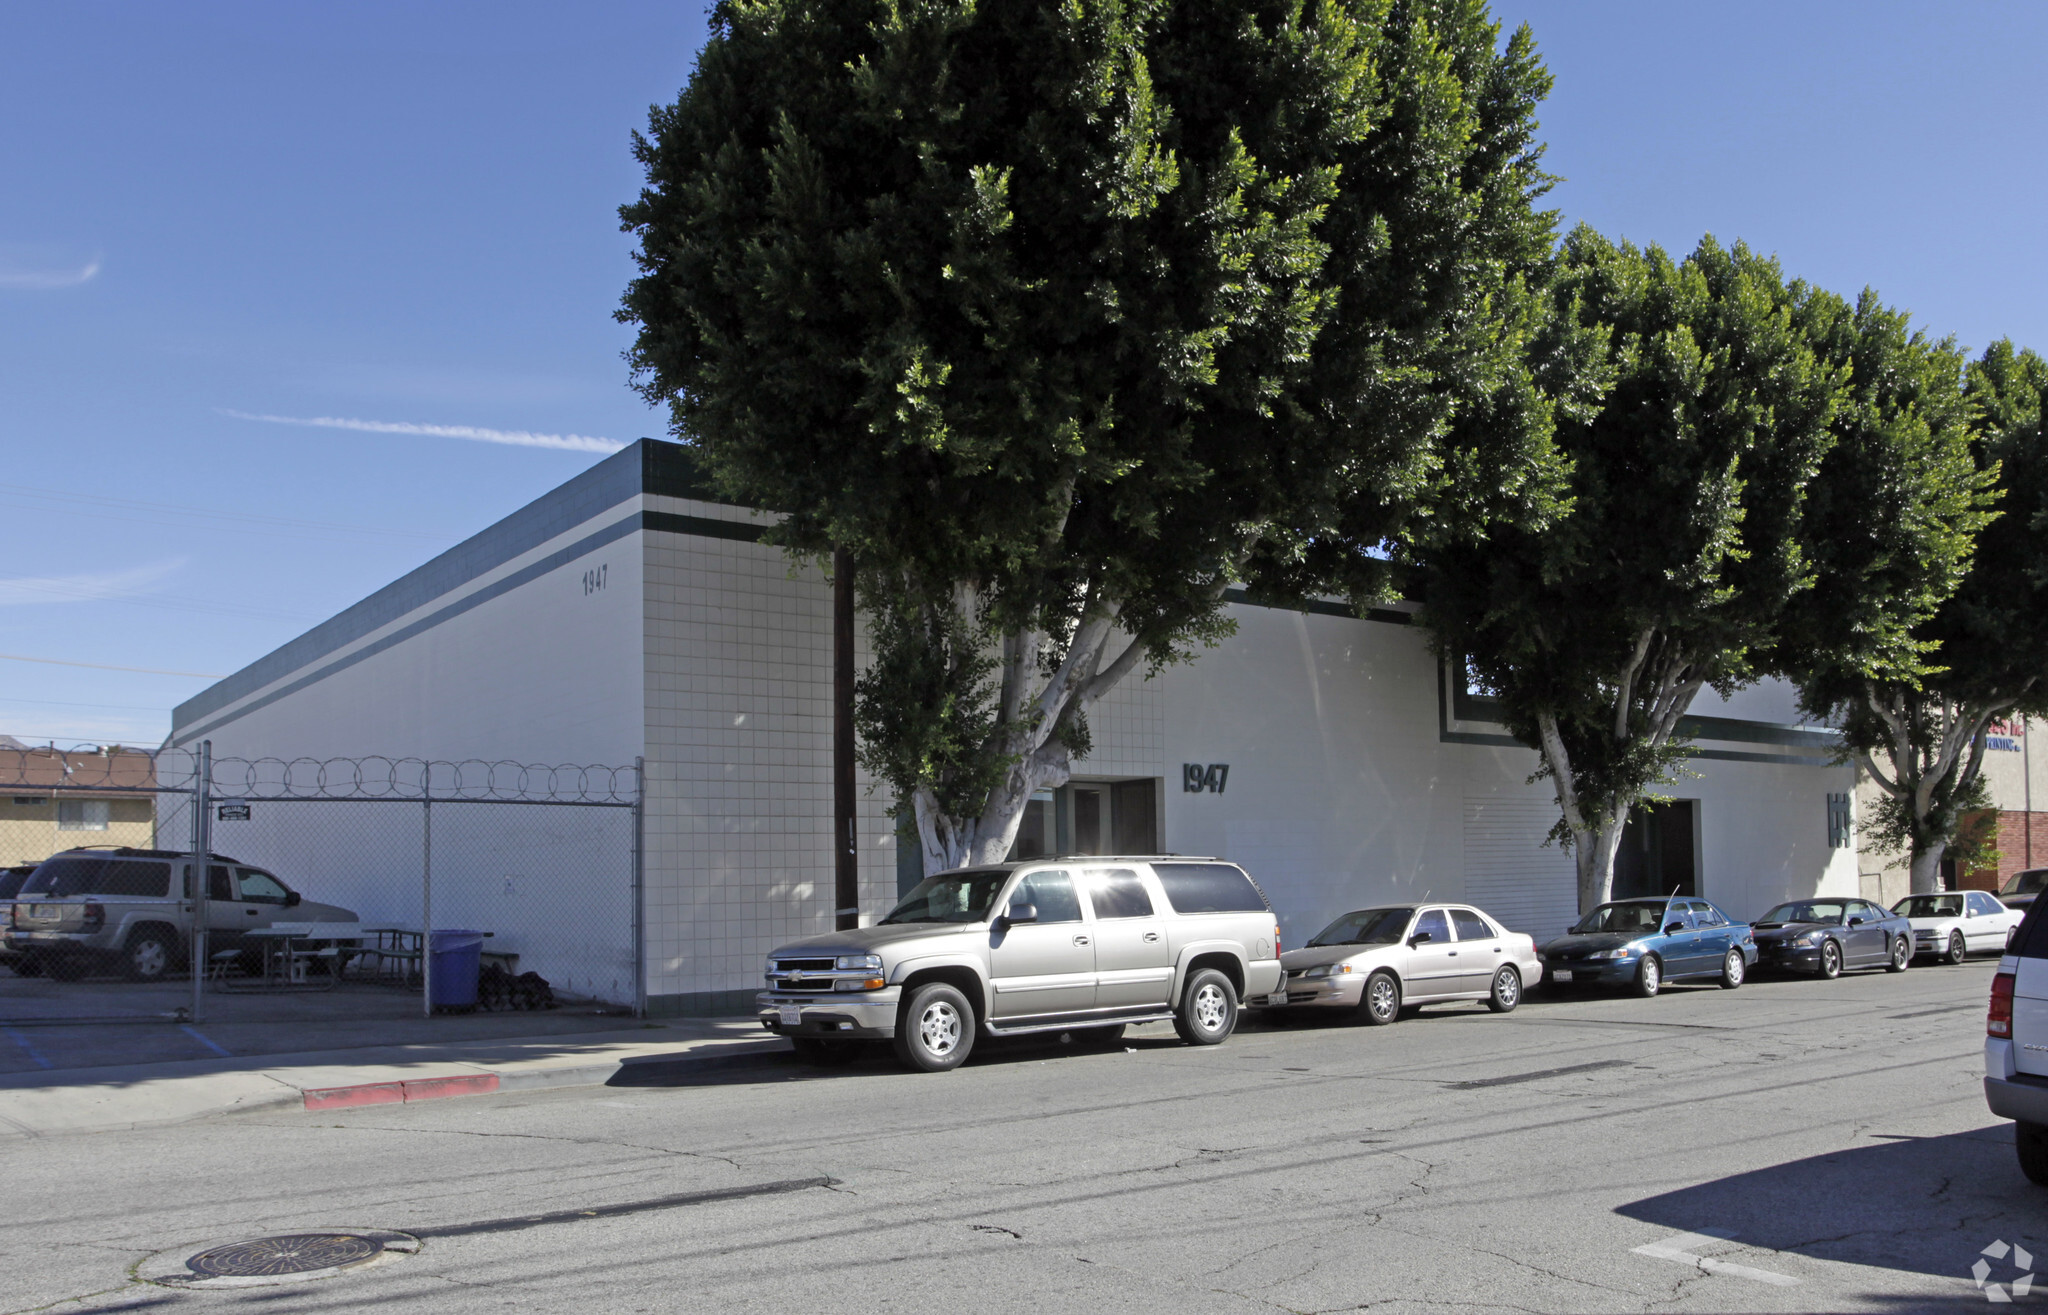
{"x": 521, "y": 646}
{"x": 29, "y": 832}
{"x": 606, "y": 622}
{"x": 1344, "y": 790}
{"x": 738, "y": 653}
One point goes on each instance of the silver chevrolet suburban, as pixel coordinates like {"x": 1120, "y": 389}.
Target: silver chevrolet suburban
{"x": 2016, "y": 1044}
{"x": 1067, "y": 944}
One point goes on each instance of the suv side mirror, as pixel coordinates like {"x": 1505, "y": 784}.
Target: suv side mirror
{"x": 1021, "y": 913}
{"x": 1673, "y": 928}
{"x": 291, "y": 899}
{"x": 1418, "y": 938}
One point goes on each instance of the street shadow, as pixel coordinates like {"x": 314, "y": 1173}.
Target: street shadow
{"x": 1920, "y": 1205}
{"x": 871, "y": 1059}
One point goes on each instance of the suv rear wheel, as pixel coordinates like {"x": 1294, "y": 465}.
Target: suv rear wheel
{"x": 2032, "y": 1141}
{"x": 936, "y": 1029}
{"x": 1208, "y": 1009}
{"x": 149, "y": 955}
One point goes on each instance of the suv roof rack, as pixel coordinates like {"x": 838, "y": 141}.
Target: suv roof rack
{"x": 129, "y": 851}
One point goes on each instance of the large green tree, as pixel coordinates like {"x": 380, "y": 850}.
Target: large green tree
{"x": 1697, "y": 416}
{"x": 1919, "y": 730}
{"x": 1061, "y": 319}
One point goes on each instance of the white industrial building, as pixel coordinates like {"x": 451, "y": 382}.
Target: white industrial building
{"x": 624, "y": 616}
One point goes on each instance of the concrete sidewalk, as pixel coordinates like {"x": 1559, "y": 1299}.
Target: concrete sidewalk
{"x": 107, "y": 1097}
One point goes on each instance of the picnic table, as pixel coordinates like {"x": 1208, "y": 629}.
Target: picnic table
{"x": 286, "y": 962}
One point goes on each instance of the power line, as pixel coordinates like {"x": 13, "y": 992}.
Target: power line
{"x": 107, "y": 666}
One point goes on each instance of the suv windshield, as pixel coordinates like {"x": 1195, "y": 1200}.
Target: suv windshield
{"x": 2030, "y": 882}
{"x": 1365, "y": 927}
{"x": 950, "y": 897}
{"x": 1807, "y": 911}
{"x": 1628, "y": 916}
{"x": 1930, "y": 906}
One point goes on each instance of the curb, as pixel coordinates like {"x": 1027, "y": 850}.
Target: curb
{"x": 408, "y": 1090}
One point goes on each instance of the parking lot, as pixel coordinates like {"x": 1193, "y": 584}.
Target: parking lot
{"x": 1793, "y": 1146}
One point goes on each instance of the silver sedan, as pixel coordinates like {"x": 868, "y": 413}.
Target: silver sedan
{"x": 1375, "y": 962}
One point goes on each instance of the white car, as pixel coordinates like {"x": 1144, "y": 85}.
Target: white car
{"x": 1957, "y": 924}
{"x": 1375, "y": 962}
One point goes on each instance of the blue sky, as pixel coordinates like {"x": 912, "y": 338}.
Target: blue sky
{"x": 404, "y": 214}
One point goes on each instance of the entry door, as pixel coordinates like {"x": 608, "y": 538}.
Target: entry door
{"x": 1133, "y": 961}
{"x": 1431, "y": 969}
{"x": 1047, "y": 966}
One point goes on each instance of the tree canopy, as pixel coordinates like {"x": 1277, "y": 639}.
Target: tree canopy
{"x": 1950, "y": 513}
{"x": 1701, "y": 419}
{"x": 1061, "y": 319}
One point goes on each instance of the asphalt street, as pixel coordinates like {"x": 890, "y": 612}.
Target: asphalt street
{"x": 1791, "y": 1146}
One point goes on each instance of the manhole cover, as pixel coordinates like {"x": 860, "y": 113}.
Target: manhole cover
{"x": 297, "y": 1253}
{"x": 284, "y": 1258}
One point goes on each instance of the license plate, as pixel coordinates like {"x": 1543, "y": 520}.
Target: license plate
{"x": 1277, "y": 998}
{"x": 1560, "y": 975}
{"x": 790, "y": 1015}
{"x": 53, "y": 912}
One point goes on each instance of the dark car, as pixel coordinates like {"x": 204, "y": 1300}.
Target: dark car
{"x": 1824, "y": 936}
{"x": 2020, "y": 891}
{"x": 1643, "y": 943}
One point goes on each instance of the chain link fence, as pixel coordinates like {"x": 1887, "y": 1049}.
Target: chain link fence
{"x": 326, "y": 874}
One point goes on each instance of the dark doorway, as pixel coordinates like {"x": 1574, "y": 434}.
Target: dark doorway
{"x": 1133, "y": 817}
{"x": 1658, "y": 851}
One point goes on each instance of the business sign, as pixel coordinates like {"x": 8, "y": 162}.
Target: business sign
{"x": 232, "y": 810}
{"x": 2006, "y": 736}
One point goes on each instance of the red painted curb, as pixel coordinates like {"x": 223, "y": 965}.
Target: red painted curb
{"x": 471, "y": 1084}
{"x": 369, "y": 1093}
{"x": 391, "y": 1093}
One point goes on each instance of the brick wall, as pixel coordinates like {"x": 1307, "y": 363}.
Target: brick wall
{"x": 2015, "y": 830}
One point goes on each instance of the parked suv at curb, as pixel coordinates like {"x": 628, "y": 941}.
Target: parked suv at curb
{"x": 1052, "y": 945}
{"x": 86, "y": 907}
{"x": 2016, "y": 1042}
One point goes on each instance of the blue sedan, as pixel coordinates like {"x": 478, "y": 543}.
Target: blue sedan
{"x": 1643, "y": 943}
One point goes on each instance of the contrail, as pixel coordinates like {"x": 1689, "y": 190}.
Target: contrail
{"x": 40, "y": 279}
{"x": 512, "y": 437}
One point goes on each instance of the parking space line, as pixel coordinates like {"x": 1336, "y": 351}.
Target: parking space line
{"x": 1676, "y": 1247}
{"x": 36, "y": 1056}
{"x": 206, "y": 1041}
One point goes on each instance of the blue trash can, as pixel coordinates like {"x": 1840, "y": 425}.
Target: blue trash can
{"x": 457, "y": 958}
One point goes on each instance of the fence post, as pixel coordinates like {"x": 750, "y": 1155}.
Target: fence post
{"x": 427, "y": 898}
{"x": 639, "y": 888}
{"x": 202, "y": 846}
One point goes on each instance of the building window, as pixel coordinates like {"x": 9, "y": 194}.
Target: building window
{"x": 81, "y": 814}
{"x": 29, "y": 801}
{"x": 1838, "y": 821}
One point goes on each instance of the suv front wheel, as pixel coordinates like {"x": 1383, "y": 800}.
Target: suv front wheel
{"x": 1208, "y": 1009}
{"x": 936, "y": 1029}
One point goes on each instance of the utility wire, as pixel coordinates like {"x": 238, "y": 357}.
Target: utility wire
{"x": 107, "y": 666}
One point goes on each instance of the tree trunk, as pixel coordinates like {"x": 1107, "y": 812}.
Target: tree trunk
{"x": 1027, "y": 735}
{"x": 1926, "y": 868}
{"x": 1595, "y": 850}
